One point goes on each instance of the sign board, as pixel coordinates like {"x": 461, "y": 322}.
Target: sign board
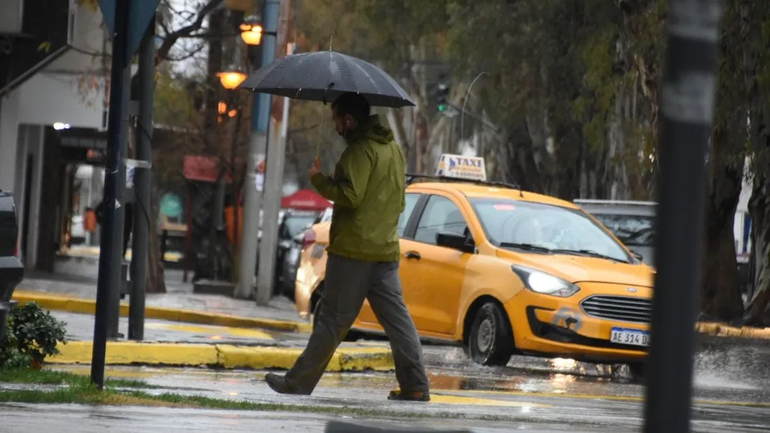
{"x": 130, "y": 177}
{"x": 85, "y": 143}
{"x": 140, "y": 14}
{"x": 171, "y": 206}
{"x": 462, "y": 167}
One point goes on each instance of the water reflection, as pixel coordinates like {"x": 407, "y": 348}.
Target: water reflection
{"x": 560, "y": 382}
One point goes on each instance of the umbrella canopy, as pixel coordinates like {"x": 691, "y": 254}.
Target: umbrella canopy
{"x": 324, "y": 76}
{"x": 305, "y": 199}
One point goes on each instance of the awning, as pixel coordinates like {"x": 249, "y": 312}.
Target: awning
{"x": 202, "y": 169}
{"x": 305, "y": 199}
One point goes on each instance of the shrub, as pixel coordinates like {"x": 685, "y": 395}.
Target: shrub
{"x": 33, "y": 335}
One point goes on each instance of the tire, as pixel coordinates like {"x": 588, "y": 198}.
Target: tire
{"x": 490, "y": 341}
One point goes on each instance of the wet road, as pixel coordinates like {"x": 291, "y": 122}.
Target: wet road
{"x": 731, "y": 391}
{"x": 23, "y": 418}
{"x": 531, "y": 394}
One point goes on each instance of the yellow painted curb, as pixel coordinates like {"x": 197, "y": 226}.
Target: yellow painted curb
{"x": 722, "y": 330}
{"x": 88, "y": 306}
{"x": 222, "y": 355}
{"x": 257, "y": 357}
{"x": 126, "y": 353}
{"x": 366, "y": 358}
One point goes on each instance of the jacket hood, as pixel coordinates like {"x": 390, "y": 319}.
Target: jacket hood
{"x": 373, "y": 130}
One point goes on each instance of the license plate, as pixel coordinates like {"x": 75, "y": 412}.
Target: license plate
{"x": 632, "y": 337}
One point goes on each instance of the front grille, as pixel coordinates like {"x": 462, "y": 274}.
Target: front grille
{"x": 621, "y": 308}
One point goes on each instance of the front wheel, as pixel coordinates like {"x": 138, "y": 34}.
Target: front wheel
{"x": 491, "y": 340}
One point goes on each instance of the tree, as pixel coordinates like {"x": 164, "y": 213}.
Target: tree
{"x": 570, "y": 101}
{"x": 755, "y": 21}
{"x": 568, "y": 86}
{"x": 720, "y": 295}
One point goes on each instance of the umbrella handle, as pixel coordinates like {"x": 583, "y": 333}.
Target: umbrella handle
{"x": 320, "y": 135}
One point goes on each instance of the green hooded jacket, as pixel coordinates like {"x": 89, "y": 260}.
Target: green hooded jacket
{"x": 368, "y": 194}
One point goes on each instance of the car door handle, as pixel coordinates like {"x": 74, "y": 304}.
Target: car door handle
{"x": 412, "y": 255}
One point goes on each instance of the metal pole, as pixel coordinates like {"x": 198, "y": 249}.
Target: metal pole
{"x": 142, "y": 214}
{"x": 268, "y": 245}
{"x": 253, "y": 184}
{"x": 687, "y": 105}
{"x": 465, "y": 101}
{"x": 107, "y": 265}
{"x": 188, "y": 234}
{"x": 120, "y": 212}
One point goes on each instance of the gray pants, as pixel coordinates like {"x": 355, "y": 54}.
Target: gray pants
{"x": 348, "y": 282}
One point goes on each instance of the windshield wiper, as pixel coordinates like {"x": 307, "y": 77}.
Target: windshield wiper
{"x": 590, "y": 253}
{"x": 525, "y": 247}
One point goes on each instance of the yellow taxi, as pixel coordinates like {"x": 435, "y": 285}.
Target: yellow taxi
{"x": 503, "y": 271}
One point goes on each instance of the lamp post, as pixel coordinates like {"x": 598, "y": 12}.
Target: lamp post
{"x": 230, "y": 80}
{"x": 254, "y": 181}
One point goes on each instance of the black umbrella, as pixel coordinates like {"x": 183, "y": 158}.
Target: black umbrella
{"x": 325, "y": 75}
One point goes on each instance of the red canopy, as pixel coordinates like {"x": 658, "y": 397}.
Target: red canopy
{"x": 305, "y": 199}
{"x": 202, "y": 169}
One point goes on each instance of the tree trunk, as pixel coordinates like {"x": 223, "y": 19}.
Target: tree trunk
{"x": 759, "y": 207}
{"x": 155, "y": 278}
{"x": 720, "y": 295}
{"x": 754, "y": 16}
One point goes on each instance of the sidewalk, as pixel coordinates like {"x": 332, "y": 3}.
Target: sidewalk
{"x": 188, "y": 345}
{"x": 179, "y": 296}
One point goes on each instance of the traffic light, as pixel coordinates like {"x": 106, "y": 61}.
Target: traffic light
{"x": 442, "y": 96}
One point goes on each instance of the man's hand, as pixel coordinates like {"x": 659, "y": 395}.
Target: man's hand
{"x": 315, "y": 168}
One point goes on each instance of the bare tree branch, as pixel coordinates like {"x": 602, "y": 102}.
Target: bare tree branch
{"x": 187, "y": 55}
{"x": 172, "y": 37}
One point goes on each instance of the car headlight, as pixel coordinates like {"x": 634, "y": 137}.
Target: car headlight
{"x": 547, "y": 284}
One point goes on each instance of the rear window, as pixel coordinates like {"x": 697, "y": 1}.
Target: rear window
{"x": 632, "y": 230}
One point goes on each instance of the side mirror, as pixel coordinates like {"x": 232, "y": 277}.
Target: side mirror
{"x": 299, "y": 238}
{"x": 456, "y": 242}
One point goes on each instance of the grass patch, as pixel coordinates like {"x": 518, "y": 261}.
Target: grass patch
{"x": 48, "y": 377}
{"x": 77, "y": 389}
{"x": 86, "y": 393}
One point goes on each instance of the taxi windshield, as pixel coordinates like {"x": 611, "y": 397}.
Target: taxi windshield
{"x": 547, "y": 229}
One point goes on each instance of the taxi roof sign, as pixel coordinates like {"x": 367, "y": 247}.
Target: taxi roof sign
{"x": 462, "y": 167}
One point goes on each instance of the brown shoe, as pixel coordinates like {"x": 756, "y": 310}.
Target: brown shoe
{"x": 409, "y": 396}
{"x": 278, "y": 384}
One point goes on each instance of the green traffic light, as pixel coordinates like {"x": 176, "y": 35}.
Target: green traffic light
{"x": 442, "y": 107}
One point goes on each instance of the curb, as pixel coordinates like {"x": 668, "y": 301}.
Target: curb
{"x": 220, "y": 355}
{"x": 727, "y": 331}
{"x": 88, "y": 306}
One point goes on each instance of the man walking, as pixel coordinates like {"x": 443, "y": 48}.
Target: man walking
{"x": 368, "y": 194}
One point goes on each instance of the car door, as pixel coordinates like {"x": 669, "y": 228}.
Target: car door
{"x": 433, "y": 275}
{"x": 366, "y": 315}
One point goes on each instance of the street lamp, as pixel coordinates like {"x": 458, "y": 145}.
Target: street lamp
{"x": 251, "y": 33}
{"x": 231, "y": 79}
{"x": 251, "y": 30}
